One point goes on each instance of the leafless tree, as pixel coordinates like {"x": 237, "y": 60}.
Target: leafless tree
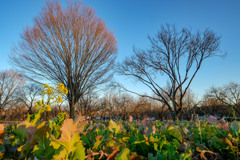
{"x": 190, "y": 104}
{"x": 28, "y": 94}
{"x": 159, "y": 108}
{"x": 178, "y": 55}
{"x": 67, "y": 45}
{"x": 109, "y": 101}
{"x": 10, "y": 82}
{"x": 227, "y": 95}
{"x": 123, "y": 103}
{"x": 88, "y": 103}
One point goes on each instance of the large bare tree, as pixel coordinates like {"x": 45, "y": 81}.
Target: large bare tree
{"x": 178, "y": 55}
{"x": 10, "y": 82}
{"x": 67, "y": 45}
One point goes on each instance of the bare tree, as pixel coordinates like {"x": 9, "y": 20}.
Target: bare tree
{"x": 159, "y": 108}
{"x": 88, "y": 103}
{"x": 227, "y": 95}
{"x": 123, "y": 103}
{"x": 109, "y": 101}
{"x": 190, "y": 104}
{"x": 67, "y": 45}
{"x": 178, "y": 55}
{"x": 28, "y": 94}
{"x": 10, "y": 82}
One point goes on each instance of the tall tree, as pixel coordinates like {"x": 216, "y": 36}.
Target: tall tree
{"x": 67, "y": 45}
{"x": 178, "y": 55}
{"x": 10, "y": 82}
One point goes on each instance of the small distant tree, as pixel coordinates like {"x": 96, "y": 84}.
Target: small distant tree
{"x": 228, "y": 95}
{"x": 28, "y": 94}
{"x": 190, "y": 103}
{"x": 178, "y": 55}
{"x": 10, "y": 82}
{"x": 88, "y": 103}
{"x": 123, "y": 102}
{"x": 67, "y": 45}
{"x": 109, "y": 101}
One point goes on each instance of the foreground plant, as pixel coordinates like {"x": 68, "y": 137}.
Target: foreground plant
{"x": 63, "y": 138}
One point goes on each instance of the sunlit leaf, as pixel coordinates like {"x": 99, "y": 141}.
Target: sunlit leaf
{"x": 70, "y": 140}
{"x": 175, "y": 133}
{"x": 98, "y": 142}
{"x": 123, "y": 155}
{"x": 79, "y": 153}
{"x": 113, "y": 127}
{"x": 2, "y": 133}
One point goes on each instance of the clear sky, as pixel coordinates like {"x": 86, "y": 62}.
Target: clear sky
{"x": 132, "y": 20}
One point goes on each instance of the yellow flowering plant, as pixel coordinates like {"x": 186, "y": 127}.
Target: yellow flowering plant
{"x": 50, "y": 95}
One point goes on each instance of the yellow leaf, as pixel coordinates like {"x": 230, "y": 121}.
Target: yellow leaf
{"x": 230, "y": 143}
{"x": 125, "y": 138}
{"x": 41, "y": 125}
{"x": 1, "y": 154}
{"x": 35, "y": 148}
{"x": 19, "y": 149}
{"x": 198, "y": 149}
{"x": 48, "y": 108}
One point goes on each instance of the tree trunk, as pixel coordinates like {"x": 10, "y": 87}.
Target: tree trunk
{"x": 30, "y": 110}
{"x": 71, "y": 110}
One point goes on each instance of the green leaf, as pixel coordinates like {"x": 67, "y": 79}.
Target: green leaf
{"x": 113, "y": 127}
{"x": 151, "y": 157}
{"x": 159, "y": 156}
{"x": 37, "y": 116}
{"x": 235, "y": 126}
{"x": 175, "y": 133}
{"x": 123, "y": 155}
{"x": 171, "y": 152}
{"x": 176, "y": 144}
{"x": 31, "y": 141}
{"x": 70, "y": 140}
{"x": 79, "y": 153}
{"x": 153, "y": 139}
{"x": 2, "y": 148}
{"x": 111, "y": 143}
{"x": 98, "y": 142}
{"x": 61, "y": 156}
{"x": 43, "y": 150}
{"x": 187, "y": 155}
{"x": 21, "y": 133}
{"x": 156, "y": 147}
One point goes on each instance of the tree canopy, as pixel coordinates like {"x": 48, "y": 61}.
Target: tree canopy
{"x": 67, "y": 45}
{"x": 178, "y": 55}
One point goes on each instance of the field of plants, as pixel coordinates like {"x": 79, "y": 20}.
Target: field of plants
{"x": 64, "y": 138}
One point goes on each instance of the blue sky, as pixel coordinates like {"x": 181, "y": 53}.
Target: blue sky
{"x": 132, "y": 20}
